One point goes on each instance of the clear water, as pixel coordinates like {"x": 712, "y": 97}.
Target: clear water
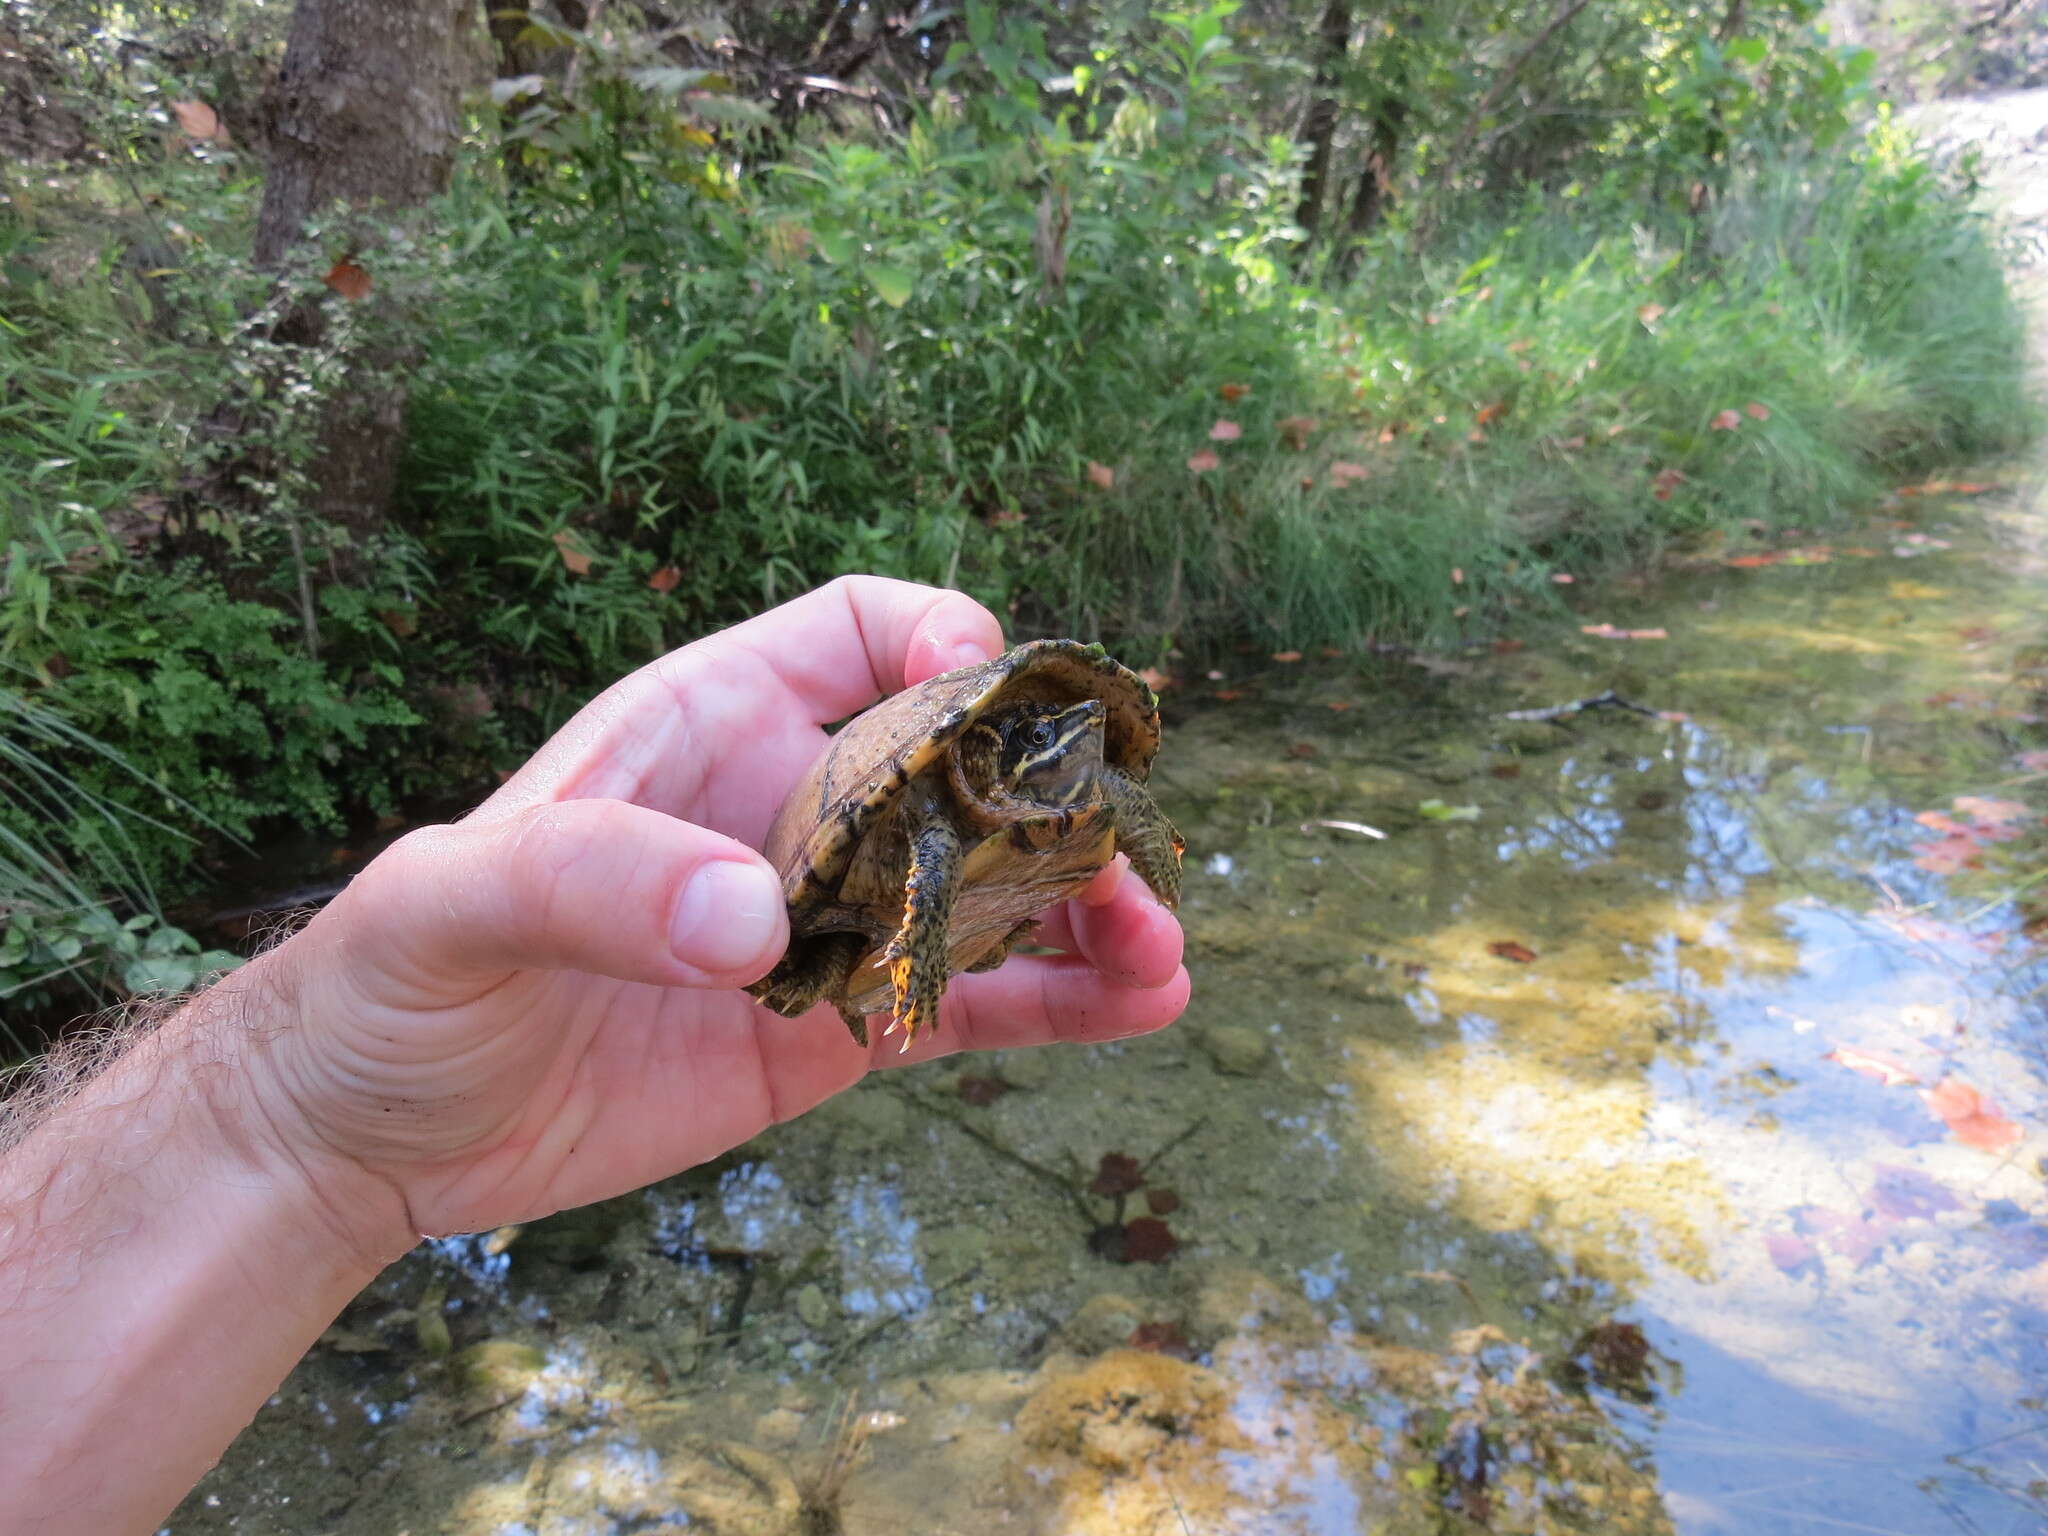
{"x": 1516, "y": 1187}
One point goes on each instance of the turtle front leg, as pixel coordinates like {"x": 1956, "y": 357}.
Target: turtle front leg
{"x": 1143, "y": 832}
{"x": 917, "y": 955}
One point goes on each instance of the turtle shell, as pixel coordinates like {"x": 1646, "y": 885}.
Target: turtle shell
{"x": 854, "y": 785}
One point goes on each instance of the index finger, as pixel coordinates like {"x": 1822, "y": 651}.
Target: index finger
{"x": 860, "y": 638}
{"x": 750, "y": 698}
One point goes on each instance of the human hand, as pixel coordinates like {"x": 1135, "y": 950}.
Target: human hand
{"x": 539, "y": 1006}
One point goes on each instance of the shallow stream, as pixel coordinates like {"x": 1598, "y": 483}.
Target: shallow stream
{"x": 1652, "y": 1145}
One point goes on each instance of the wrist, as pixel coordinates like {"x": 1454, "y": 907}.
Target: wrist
{"x": 251, "y": 1127}
{"x": 166, "y": 1254}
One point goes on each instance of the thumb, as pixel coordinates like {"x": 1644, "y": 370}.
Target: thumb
{"x": 587, "y": 885}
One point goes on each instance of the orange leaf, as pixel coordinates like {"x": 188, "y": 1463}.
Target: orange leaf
{"x": 1287, "y": 655}
{"x": 1726, "y": 421}
{"x": 1388, "y": 434}
{"x": 1749, "y": 562}
{"x": 1234, "y": 392}
{"x": 1563, "y": 578}
{"x": 1576, "y": 440}
{"x": 1227, "y": 694}
{"x": 1339, "y": 705}
{"x": 1101, "y": 475}
{"x": 1667, "y": 481}
{"x": 1649, "y": 314}
{"x": 663, "y": 580}
{"x": 1609, "y": 632}
{"x": 1343, "y": 473}
{"x": 1887, "y": 1070}
{"x": 1491, "y": 413}
{"x": 574, "y": 557}
{"x": 1974, "y": 1119}
{"x": 1294, "y": 430}
{"x": 1952, "y": 854}
{"x": 1508, "y": 949}
{"x": 348, "y": 280}
{"x": 1992, "y": 813}
{"x": 199, "y": 121}
{"x": 1203, "y": 462}
{"x": 1757, "y": 412}
{"x": 1225, "y": 432}
{"x": 1520, "y": 346}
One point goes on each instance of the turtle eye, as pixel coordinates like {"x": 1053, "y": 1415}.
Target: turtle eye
{"x": 1040, "y": 734}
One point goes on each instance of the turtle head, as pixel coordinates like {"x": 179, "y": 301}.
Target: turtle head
{"x": 1051, "y": 753}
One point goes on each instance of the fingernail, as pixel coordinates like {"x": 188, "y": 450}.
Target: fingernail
{"x": 966, "y": 653}
{"x": 728, "y": 916}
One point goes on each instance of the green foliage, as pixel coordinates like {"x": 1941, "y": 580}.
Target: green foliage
{"x": 679, "y": 345}
{"x": 76, "y": 902}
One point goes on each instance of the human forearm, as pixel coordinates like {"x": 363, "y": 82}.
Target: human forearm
{"x": 165, "y": 1256}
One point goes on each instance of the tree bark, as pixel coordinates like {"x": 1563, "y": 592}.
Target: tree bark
{"x": 1319, "y": 124}
{"x": 363, "y": 115}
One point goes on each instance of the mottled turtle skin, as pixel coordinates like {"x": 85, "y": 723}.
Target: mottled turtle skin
{"x": 904, "y": 864}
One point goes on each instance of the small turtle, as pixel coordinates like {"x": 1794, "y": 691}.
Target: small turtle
{"x": 936, "y": 825}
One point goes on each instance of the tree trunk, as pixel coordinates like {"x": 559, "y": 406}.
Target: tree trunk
{"x": 1376, "y": 178}
{"x": 1319, "y": 124}
{"x": 364, "y": 114}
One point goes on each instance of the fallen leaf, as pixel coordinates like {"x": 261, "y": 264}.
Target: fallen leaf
{"x": 1751, "y": 562}
{"x": 573, "y": 556}
{"x": 1726, "y": 421}
{"x": 1649, "y": 314}
{"x": 1757, "y": 412}
{"x": 1856, "y": 1238}
{"x": 1295, "y": 430}
{"x": 979, "y": 1091}
{"x": 665, "y": 579}
{"x": 1201, "y": 463}
{"x": 1155, "y": 679}
{"x": 1437, "y": 810}
{"x": 1343, "y": 473}
{"x": 1907, "y": 1194}
{"x": 1339, "y": 705}
{"x": 1507, "y": 647}
{"x": 1227, "y": 695}
{"x": 1148, "y": 1240}
{"x": 1973, "y": 1119}
{"x": 1488, "y": 414}
{"x": 1520, "y": 346}
{"x": 1161, "y": 1339}
{"x": 1117, "y": 1174}
{"x": 348, "y": 280}
{"x": 1161, "y": 1202}
{"x": 1508, "y": 949}
{"x": 1576, "y": 440}
{"x": 199, "y": 121}
{"x": 1506, "y": 770}
{"x": 1952, "y": 855}
{"x": 1609, "y": 632}
{"x": 1225, "y": 432}
{"x": 1101, "y": 475}
{"x": 1302, "y": 749}
{"x": 1993, "y": 813}
{"x": 1562, "y": 578}
{"x": 1884, "y": 1069}
{"x": 1287, "y": 656}
{"x": 1234, "y": 392}
{"x": 1666, "y": 482}
{"x": 1788, "y": 1252}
